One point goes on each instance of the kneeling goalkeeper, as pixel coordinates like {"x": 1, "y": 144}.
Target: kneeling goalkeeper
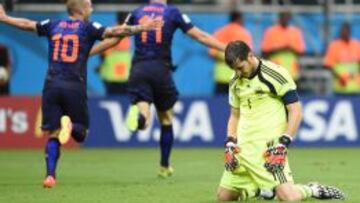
{"x": 265, "y": 115}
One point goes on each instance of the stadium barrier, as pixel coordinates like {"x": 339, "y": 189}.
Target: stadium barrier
{"x": 198, "y": 122}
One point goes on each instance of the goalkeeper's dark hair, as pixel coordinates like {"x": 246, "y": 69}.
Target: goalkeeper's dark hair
{"x": 236, "y": 50}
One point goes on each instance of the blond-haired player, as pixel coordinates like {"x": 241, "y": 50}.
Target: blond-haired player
{"x": 64, "y": 99}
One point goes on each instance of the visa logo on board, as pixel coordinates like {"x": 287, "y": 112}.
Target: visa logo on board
{"x": 324, "y": 123}
{"x": 321, "y": 122}
{"x": 194, "y": 124}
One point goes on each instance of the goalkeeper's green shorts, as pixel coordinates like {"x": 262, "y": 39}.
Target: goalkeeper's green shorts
{"x": 252, "y": 174}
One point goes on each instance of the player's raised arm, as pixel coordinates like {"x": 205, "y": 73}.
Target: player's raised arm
{"x": 116, "y": 33}
{"x": 127, "y": 30}
{"x": 21, "y": 23}
{"x": 206, "y": 39}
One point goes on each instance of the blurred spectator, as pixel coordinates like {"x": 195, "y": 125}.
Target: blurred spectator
{"x": 233, "y": 31}
{"x": 342, "y": 58}
{"x": 115, "y": 66}
{"x": 283, "y": 43}
{"x": 5, "y": 70}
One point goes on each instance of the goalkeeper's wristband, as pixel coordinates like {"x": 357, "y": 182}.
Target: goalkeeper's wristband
{"x": 285, "y": 140}
{"x": 230, "y": 139}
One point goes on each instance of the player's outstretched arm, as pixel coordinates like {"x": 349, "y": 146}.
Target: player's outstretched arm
{"x": 128, "y": 30}
{"x": 105, "y": 44}
{"x": 206, "y": 39}
{"x": 117, "y": 33}
{"x": 21, "y": 23}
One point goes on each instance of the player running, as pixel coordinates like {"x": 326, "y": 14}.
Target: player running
{"x": 151, "y": 73}
{"x": 64, "y": 99}
{"x": 265, "y": 115}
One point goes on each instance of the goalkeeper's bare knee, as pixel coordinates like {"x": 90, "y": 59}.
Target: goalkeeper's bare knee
{"x": 224, "y": 195}
{"x": 288, "y": 192}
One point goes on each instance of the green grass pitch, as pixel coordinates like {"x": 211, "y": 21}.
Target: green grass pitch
{"x": 129, "y": 175}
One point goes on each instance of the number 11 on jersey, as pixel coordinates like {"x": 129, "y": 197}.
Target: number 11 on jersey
{"x": 158, "y": 32}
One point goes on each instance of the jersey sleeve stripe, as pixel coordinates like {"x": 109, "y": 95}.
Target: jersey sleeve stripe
{"x": 274, "y": 73}
{"x": 274, "y": 77}
{"x": 278, "y": 75}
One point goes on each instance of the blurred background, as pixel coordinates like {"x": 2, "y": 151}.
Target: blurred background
{"x": 317, "y": 40}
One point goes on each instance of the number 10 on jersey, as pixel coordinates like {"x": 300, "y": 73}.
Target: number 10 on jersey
{"x": 61, "y": 46}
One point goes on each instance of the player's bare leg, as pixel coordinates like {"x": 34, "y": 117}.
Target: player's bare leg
{"x": 224, "y": 195}
{"x": 166, "y": 142}
{"x": 56, "y": 139}
{"x": 144, "y": 110}
{"x": 290, "y": 192}
{"x": 286, "y": 192}
{"x": 65, "y": 130}
{"x": 138, "y": 116}
{"x": 165, "y": 117}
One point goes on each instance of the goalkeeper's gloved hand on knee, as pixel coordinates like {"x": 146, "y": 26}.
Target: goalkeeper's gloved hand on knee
{"x": 275, "y": 156}
{"x": 231, "y": 150}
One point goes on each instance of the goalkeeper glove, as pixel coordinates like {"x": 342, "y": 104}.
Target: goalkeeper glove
{"x": 231, "y": 149}
{"x": 275, "y": 156}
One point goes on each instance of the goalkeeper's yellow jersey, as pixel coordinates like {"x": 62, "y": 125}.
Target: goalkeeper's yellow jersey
{"x": 262, "y": 113}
